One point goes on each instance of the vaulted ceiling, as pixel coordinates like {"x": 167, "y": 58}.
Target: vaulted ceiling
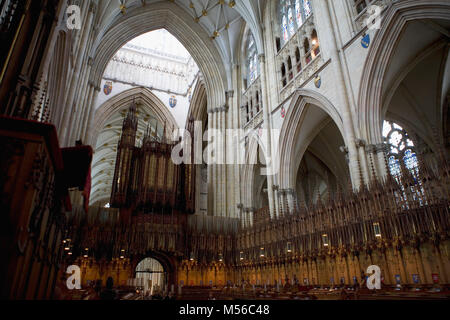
{"x": 221, "y": 19}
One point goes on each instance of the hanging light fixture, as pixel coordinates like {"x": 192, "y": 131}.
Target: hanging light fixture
{"x": 262, "y": 253}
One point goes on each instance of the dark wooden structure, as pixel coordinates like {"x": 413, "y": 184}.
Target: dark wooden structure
{"x": 146, "y": 180}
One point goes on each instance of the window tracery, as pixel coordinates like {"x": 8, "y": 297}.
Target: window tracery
{"x": 401, "y": 149}
{"x": 298, "y": 44}
{"x": 252, "y": 60}
{"x": 292, "y": 14}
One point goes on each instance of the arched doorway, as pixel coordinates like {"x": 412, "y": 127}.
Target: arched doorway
{"x": 151, "y": 276}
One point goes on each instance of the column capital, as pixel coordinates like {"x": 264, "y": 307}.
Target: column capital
{"x": 360, "y": 143}
{"x": 371, "y": 148}
{"x": 381, "y": 148}
{"x": 223, "y": 108}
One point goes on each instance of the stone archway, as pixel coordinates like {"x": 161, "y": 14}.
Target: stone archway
{"x": 171, "y": 17}
{"x": 168, "y": 263}
{"x": 290, "y": 129}
{"x": 380, "y": 57}
{"x": 107, "y": 130}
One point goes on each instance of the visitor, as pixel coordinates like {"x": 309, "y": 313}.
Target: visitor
{"x": 108, "y": 293}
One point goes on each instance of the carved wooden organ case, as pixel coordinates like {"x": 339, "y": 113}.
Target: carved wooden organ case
{"x": 146, "y": 180}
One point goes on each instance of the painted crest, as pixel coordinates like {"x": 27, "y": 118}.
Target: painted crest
{"x": 283, "y": 112}
{"x": 107, "y": 88}
{"x": 318, "y": 81}
{"x": 173, "y": 101}
{"x": 365, "y": 41}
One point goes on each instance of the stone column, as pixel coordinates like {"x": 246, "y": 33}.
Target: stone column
{"x": 282, "y": 197}
{"x": 332, "y": 47}
{"x": 267, "y": 126}
{"x": 74, "y": 84}
{"x": 276, "y": 200}
{"x": 240, "y": 208}
{"x": 88, "y": 130}
{"x": 381, "y": 154}
{"x": 291, "y": 202}
{"x": 211, "y": 190}
{"x": 223, "y": 166}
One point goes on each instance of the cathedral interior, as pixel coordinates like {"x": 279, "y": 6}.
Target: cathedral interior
{"x": 224, "y": 149}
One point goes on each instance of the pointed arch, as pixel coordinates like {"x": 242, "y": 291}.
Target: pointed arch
{"x": 171, "y": 17}
{"x": 291, "y": 127}
{"x": 123, "y": 100}
{"x": 381, "y": 53}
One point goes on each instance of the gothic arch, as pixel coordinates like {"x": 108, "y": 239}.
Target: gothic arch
{"x": 293, "y": 124}
{"x": 105, "y": 144}
{"x": 170, "y": 16}
{"x": 250, "y": 170}
{"x": 123, "y": 101}
{"x": 198, "y": 105}
{"x": 384, "y": 44}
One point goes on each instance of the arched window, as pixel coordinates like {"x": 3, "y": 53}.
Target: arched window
{"x": 402, "y": 157}
{"x": 307, "y": 8}
{"x": 401, "y": 149}
{"x": 299, "y": 12}
{"x": 291, "y": 16}
{"x": 283, "y": 75}
{"x": 361, "y": 5}
{"x": 307, "y": 49}
{"x": 289, "y": 62}
{"x": 291, "y": 22}
{"x": 257, "y": 102}
{"x": 298, "y": 59}
{"x": 247, "y": 112}
{"x": 252, "y": 60}
{"x": 315, "y": 43}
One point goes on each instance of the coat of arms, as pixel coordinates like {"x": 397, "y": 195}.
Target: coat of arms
{"x": 318, "y": 81}
{"x": 173, "y": 101}
{"x": 107, "y": 88}
{"x": 365, "y": 41}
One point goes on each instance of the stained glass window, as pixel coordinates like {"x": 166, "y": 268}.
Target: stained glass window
{"x": 307, "y": 8}
{"x": 401, "y": 148}
{"x": 402, "y": 152}
{"x": 291, "y": 22}
{"x": 298, "y": 12}
{"x": 285, "y": 29}
{"x": 252, "y": 60}
{"x": 292, "y": 14}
